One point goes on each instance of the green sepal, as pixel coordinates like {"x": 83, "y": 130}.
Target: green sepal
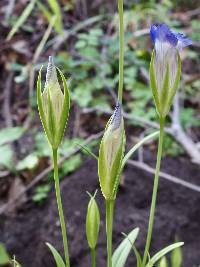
{"x": 162, "y": 253}
{"x": 164, "y": 94}
{"x": 116, "y": 168}
{"x": 176, "y": 83}
{"x": 92, "y": 222}
{"x": 153, "y": 85}
{"x": 65, "y": 110}
{"x": 102, "y": 173}
{"x": 58, "y": 259}
{"x": 40, "y": 106}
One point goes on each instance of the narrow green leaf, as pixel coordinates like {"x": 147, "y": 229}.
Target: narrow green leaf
{"x": 45, "y": 11}
{"x": 66, "y": 107}
{"x": 58, "y": 25}
{"x": 88, "y": 151}
{"x": 58, "y": 259}
{"x": 23, "y": 17}
{"x": 137, "y": 254}
{"x": 121, "y": 253}
{"x": 40, "y": 106}
{"x": 162, "y": 253}
{"x": 135, "y": 147}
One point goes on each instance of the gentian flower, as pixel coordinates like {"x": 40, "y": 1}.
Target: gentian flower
{"x": 111, "y": 154}
{"x": 165, "y": 67}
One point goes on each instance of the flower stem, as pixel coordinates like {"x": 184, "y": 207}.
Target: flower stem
{"x": 154, "y": 195}
{"x": 121, "y": 50}
{"x": 93, "y": 256}
{"x": 109, "y": 229}
{"x": 60, "y": 209}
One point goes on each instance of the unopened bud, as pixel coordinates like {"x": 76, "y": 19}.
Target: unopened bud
{"x": 92, "y": 222}
{"x": 163, "y": 262}
{"x": 111, "y": 154}
{"x": 53, "y": 104}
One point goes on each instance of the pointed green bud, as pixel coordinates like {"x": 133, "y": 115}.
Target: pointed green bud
{"x": 111, "y": 153}
{"x": 163, "y": 262}
{"x": 92, "y": 222}
{"x": 53, "y": 104}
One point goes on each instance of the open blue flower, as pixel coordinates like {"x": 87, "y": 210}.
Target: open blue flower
{"x": 167, "y": 45}
{"x": 162, "y": 33}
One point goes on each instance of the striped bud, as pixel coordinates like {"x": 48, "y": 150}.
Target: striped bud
{"x": 53, "y": 104}
{"x": 111, "y": 154}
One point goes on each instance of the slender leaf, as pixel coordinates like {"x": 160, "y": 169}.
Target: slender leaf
{"x": 135, "y": 147}
{"x": 27, "y": 11}
{"x": 58, "y": 259}
{"x": 162, "y": 253}
{"x": 121, "y": 253}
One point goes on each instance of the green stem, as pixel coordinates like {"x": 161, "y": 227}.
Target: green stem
{"x": 93, "y": 256}
{"x": 154, "y": 195}
{"x": 109, "y": 229}
{"x": 60, "y": 209}
{"x": 121, "y": 50}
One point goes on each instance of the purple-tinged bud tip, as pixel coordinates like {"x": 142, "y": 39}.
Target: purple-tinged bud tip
{"x": 117, "y": 117}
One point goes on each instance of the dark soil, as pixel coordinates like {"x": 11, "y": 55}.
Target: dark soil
{"x": 178, "y": 214}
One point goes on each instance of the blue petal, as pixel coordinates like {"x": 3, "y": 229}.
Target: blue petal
{"x": 162, "y": 33}
{"x": 183, "y": 41}
{"x": 153, "y": 31}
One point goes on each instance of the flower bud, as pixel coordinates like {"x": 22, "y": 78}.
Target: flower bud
{"x": 92, "y": 222}
{"x": 163, "y": 262}
{"x": 111, "y": 154}
{"x": 53, "y": 104}
{"x": 165, "y": 66}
